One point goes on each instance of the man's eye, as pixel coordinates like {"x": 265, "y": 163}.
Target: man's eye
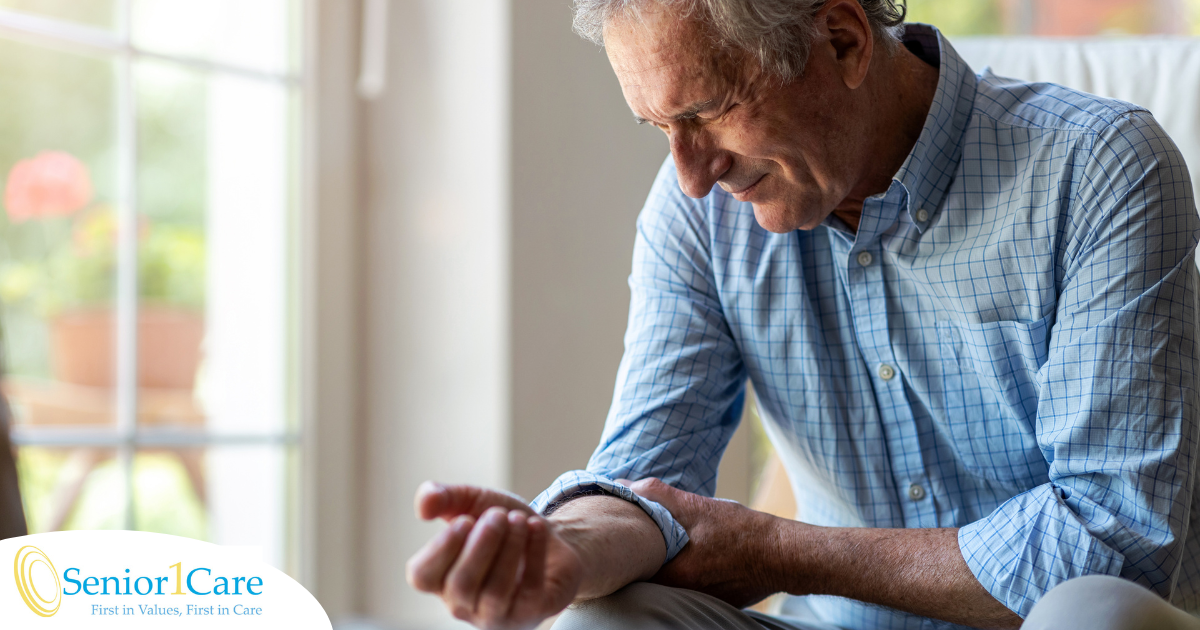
{"x": 704, "y": 119}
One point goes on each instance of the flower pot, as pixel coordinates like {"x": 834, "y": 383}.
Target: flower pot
{"x": 83, "y": 351}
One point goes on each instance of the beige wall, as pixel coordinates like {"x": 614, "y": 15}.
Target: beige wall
{"x": 581, "y": 169}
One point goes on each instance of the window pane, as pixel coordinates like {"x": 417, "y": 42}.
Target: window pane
{"x": 171, "y": 107}
{"x": 73, "y": 488}
{"x": 256, "y": 34}
{"x": 57, "y": 236}
{"x": 247, "y": 499}
{"x": 234, "y": 495}
{"x": 227, "y": 495}
{"x": 213, "y": 193}
{"x": 1069, "y": 18}
{"x": 170, "y": 492}
{"x": 100, "y": 13}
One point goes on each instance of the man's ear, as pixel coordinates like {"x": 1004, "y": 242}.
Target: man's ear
{"x": 846, "y": 26}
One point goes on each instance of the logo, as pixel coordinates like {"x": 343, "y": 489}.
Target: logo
{"x": 119, "y": 580}
{"x": 26, "y": 560}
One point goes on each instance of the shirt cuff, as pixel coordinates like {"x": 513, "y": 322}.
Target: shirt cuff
{"x": 580, "y": 480}
{"x": 1029, "y": 545}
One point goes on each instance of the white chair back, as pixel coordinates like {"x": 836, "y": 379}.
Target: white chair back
{"x": 1161, "y": 74}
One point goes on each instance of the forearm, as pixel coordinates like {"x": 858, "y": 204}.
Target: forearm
{"x": 920, "y": 571}
{"x": 615, "y": 539}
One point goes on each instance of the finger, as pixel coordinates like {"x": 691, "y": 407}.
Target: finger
{"x": 426, "y": 570}
{"x": 495, "y": 599}
{"x": 429, "y": 499}
{"x": 528, "y": 601}
{"x": 682, "y": 505}
{"x": 465, "y": 578}
{"x": 656, "y": 490}
{"x": 436, "y": 500}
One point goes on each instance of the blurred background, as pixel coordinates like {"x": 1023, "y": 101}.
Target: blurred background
{"x": 266, "y": 265}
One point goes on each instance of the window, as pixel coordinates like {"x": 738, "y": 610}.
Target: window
{"x": 149, "y": 152}
{"x": 1059, "y": 18}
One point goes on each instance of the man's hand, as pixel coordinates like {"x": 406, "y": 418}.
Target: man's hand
{"x": 731, "y": 550}
{"x": 497, "y": 565}
{"x": 741, "y": 556}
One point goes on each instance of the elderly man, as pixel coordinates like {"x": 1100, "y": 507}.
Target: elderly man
{"x": 967, "y": 305}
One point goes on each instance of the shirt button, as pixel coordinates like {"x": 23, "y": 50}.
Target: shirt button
{"x": 886, "y": 372}
{"x": 922, "y": 215}
{"x": 864, "y": 259}
{"x": 916, "y": 492}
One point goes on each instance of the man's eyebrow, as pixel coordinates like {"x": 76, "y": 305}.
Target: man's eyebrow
{"x": 687, "y": 114}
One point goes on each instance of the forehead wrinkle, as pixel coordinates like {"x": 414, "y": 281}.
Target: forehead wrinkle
{"x": 676, "y": 94}
{"x": 664, "y": 56}
{"x": 675, "y": 98}
{"x": 674, "y": 70}
{"x": 673, "y": 39}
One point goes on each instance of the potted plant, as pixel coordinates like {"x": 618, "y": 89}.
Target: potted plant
{"x": 70, "y": 280}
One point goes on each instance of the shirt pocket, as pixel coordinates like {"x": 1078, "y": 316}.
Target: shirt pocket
{"x": 990, "y": 391}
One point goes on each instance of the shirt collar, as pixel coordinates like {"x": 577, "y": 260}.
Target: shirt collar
{"x": 929, "y": 168}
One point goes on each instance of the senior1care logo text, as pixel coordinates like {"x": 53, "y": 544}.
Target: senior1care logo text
{"x": 117, "y": 579}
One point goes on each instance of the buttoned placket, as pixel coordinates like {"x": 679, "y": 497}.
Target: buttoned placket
{"x": 868, "y": 298}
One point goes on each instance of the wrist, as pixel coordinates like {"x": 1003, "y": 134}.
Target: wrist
{"x": 593, "y": 528}
{"x": 790, "y": 562}
{"x": 774, "y": 553}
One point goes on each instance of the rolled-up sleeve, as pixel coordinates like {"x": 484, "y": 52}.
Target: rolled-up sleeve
{"x": 1117, "y": 414}
{"x": 680, "y": 385}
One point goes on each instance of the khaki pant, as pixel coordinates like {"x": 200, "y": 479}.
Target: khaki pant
{"x": 1088, "y": 603}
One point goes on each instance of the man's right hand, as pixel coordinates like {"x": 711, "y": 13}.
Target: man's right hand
{"x": 497, "y": 564}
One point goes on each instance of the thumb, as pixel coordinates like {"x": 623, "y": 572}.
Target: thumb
{"x": 435, "y": 500}
{"x": 658, "y": 491}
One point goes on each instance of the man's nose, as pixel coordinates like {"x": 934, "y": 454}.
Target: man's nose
{"x": 698, "y": 161}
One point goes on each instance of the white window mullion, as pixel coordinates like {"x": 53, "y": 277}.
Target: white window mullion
{"x": 127, "y": 266}
{"x": 37, "y": 29}
{"x": 124, "y": 11}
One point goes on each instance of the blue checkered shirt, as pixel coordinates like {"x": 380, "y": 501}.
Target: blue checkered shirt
{"x": 1007, "y": 345}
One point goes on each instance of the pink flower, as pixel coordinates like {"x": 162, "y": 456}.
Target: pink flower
{"x": 52, "y": 184}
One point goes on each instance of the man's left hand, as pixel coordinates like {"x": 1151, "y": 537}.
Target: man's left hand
{"x": 732, "y": 553}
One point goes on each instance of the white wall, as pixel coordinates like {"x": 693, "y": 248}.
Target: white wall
{"x": 436, "y": 387}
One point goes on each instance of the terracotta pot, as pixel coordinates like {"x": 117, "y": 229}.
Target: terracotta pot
{"x": 83, "y": 351}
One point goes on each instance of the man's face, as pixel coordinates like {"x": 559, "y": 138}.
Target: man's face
{"x": 793, "y": 151}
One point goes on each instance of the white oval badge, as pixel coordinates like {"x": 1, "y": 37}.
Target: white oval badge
{"x": 119, "y": 579}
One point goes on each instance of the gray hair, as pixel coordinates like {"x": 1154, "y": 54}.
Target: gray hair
{"x": 778, "y": 33}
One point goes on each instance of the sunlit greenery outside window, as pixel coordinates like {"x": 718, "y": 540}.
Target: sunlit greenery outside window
{"x": 1059, "y": 18}
{"x": 148, "y": 196}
